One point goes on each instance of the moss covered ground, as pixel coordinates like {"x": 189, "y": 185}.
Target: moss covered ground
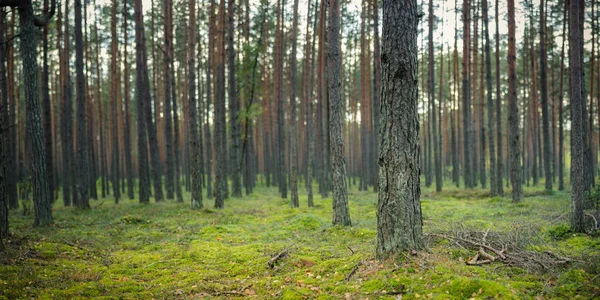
{"x": 167, "y": 250}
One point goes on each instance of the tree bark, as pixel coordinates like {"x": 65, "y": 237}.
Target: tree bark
{"x": 577, "y": 117}
{"x": 194, "y": 155}
{"x": 490, "y": 103}
{"x": 168, "y": 45}
{"x": 513, "y": 110}
{"x": 141, "y": 97}
{"x": 42, "y": 196}
{"x": 293, "y": 131}
{"x": 399, "y": 219}
{"x": 236, "y": 171}
{"x": 341, "y": 215}
{"x": 466, "y": 94}
{"x": 544, "y": 90}
{"x": 500, "y": 152}
{"x": 220, "y": 140}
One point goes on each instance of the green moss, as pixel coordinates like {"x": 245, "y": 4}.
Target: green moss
{"x": 166, "y": 250}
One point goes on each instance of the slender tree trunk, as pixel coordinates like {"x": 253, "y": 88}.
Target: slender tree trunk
{"x": 220, "y": 144}
{"x": 500, "y": 152}
{"x": 341, "y": 215}
{"x": 433, "y": 114}
{"x": 82, "y": 146}
{"x": 399, "y": 219}
{"x": 236, "y": 171}
{"x": 115, "y": 82}
{"x": 194, "y": 153}
{"x": 544, "y": 90}
{"x": 4, "y": 133}
{"x": 126, "y": 99}
{"x": 490, "y": 103}
{"x": 513, "y": 111}
{"x": 142, "y": 97}
{"x": 293, "y": 131}
{"x": 47, "y": 120}
{"x": 168, "y": 77}
{"x": 577, "y": 117}
{"x": 466, "y": 93}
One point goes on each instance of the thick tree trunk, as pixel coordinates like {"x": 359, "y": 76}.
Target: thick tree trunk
{"x": 399, "y": 219}
{"x": 341, "y": 215}
{"x": 577, "y": 117}
{"x": 42, "y": 196}
{"x": 513, "y": 110}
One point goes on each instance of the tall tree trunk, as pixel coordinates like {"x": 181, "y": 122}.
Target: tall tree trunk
{"x": 142, "y": 99}
{"x": 499, "y": 153}
{"x": 399, "y": 219}
{"x": 293, "y": 131}
{"x": 433, "y": 114}
{"x": 168, "y": 77}
{"x": 4, "y": 133}
{"x": 115, "y": 105}
{"x": 126, "y": 99}
{"x": 544, "y": 90}
{"x": 341, "y": 215}
{"x": 466, "y": 93}
{"x": 279, "y": 95}
{"x": 377, "y": 94}
{"x": 66, "y": 116}
{"x": 490, "y": 102}
{"x": 194, "y": 153}
{"x": 82, "y": 145}
{"x": 220, "y": 140}
{"x": 236, "y": 171}
{"x": 47, "y": 120}
{"x": 513, "y": 110}
{"x": 577, "y": 117}
{"x": 42, "y": 196}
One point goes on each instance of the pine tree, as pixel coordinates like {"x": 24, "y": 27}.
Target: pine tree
{"x": 399, "y": 219}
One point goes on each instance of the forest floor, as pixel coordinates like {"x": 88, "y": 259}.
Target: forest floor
{"x": 167, "y": 250}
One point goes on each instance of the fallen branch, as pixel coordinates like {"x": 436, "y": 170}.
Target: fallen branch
{"x": 277, "y": 257}
{"x": 499, "y": 253}
{"x": 350, "y": 250}
{"x": 486, "y": 255}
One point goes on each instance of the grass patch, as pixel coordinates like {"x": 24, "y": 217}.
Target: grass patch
{"x": 168, "y": 250}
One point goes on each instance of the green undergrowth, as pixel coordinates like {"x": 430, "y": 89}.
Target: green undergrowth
{"x": 167, "y": 250}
